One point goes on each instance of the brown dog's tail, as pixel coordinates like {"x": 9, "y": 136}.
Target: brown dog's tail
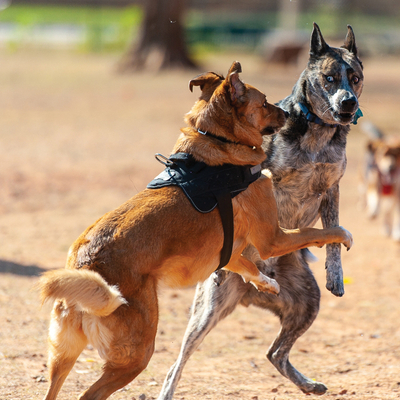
{"x": 83, "y": 288}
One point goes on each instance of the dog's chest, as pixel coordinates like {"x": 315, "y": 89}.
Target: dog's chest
{"x": 302, "y": 177}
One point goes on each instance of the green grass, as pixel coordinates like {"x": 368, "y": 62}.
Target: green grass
{"x": 102, "y": 16}
{"x": 111, "y": 29}
{"x": 107, "y": 28}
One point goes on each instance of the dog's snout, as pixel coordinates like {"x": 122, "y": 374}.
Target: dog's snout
{"x": 286, "y": 114}
{"x": 349, "y": 104}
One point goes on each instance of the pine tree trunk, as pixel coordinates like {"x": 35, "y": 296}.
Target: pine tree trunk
{"x": 161, "y": 43}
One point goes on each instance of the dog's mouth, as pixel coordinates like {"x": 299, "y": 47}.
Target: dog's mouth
{"x": 270, "y": 130}
{"x": 276, "y": 126}
{"x": 344, "y": 118}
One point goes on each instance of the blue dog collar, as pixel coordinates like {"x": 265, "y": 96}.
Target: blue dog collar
{"x": 357, "y": 115}
{"x": 313, "y": 118}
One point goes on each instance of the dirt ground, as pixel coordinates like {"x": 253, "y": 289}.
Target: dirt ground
{"x": 77, "y": 140}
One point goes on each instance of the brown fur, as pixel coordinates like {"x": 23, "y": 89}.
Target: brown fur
{"x": 157, "y": 236}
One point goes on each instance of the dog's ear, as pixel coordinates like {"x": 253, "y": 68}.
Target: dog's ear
{"x": 235, "y": 67}
{"x": 236, "y": 86}
{"x": 206, "y": 80}
{"x": 318, "y": 45}
{"x": 350, "y": 41}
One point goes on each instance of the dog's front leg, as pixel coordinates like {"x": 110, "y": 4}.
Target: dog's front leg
{"x": 329, "y": 212}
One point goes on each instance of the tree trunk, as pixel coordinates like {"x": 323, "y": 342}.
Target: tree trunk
{"x": 161, "y": 42}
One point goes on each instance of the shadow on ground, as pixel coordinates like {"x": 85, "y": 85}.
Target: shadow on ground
{"x": 9, "y": 267}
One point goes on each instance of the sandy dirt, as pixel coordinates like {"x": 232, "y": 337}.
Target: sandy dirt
{"x": 77, "y": 140}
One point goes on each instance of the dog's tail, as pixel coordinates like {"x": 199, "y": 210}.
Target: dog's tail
{"x": 372, "y": 131}
{"x": 308, "y": 256}
{"x": 82, "y": 288}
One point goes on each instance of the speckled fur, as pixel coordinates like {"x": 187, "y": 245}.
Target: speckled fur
{"x": 307, "y": 162}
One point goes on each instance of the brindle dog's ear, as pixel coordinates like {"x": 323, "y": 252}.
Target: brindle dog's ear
{"x": 318, "y": 44}
{"x": 350, "y": 41}
{"x": 205, "y": 80}
{"x": 236, "y": 86}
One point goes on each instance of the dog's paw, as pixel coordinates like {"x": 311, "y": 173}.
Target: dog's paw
{"x": 334, "y": 282}
{"x": 317, "y": 388}
{"x": 266, "y": 284}
{"x": 347, "y": 238}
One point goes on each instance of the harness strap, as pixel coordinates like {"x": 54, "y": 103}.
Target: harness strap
{"x": 226, "y": 212}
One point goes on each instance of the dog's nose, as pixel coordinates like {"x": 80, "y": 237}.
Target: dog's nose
{"x": 349, "y": 103}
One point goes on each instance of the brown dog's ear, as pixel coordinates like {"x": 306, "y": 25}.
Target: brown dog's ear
{"x": 350, "y": 41}
{"x": 318, "y": 45}
{"x": 235, "y": 67}
{"x": 205, "y": 80}
{"x": 236, "y": 86}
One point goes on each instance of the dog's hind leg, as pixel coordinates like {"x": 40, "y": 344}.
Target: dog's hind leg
{"x": 125, "y": 339}
{"x": 278, "y": 354}
{"x": 211, "y": 304}
{"x": 296, "y": 306}
{"x": 66, "y": 342}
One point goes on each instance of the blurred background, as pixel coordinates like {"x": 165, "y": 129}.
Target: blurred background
{"x": 90, "y": 90}
{"x": 203, "y": 25}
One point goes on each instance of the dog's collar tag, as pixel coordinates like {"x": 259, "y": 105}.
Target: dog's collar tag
{"x": 357, "y": 115}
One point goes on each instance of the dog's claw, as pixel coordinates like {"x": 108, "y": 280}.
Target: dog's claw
{"x": 348, "y": 238}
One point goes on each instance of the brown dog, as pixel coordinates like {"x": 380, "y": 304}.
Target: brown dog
{"x": 380, "y": 183}
{"x": 107, "y": 295}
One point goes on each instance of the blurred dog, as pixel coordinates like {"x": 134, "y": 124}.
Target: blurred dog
{"x": 107, "y": 295}
{"x": 380, "y": 184}
{"x": 307, "y": 159}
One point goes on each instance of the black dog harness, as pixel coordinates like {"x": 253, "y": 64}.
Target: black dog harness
{"x": 206, "y": 187}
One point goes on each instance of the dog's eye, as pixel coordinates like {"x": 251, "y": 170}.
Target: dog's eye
{"x": 355, "y": 79}
{"x": 265, "y": 105}
{"x": 330, "y": 79}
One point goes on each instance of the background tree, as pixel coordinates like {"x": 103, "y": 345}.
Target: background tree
{"x": 161, "y": 43}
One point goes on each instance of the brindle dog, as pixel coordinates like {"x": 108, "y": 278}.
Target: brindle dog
{"x": 307, "y": 160}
